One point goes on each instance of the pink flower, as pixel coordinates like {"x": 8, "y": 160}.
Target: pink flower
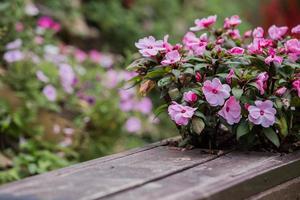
{"x": 198, "y": 77}
{"x": 190, "y": 97}
{"x": 261, "y": 82}
{"x": 149, "y": 46}
{"x": 262, "y": 113}
{"x": 229, "y": 76}
{"x": 80, "y": 55}
{"x": 293, "y": 46}
{"x": 19, "y": 26}
{"x": 296, "y": 86}
{"x": 273, "y": 57}
{"x": 50, "y": 92}
{"x": 231, "y": 111}
{"x": 48, "y": 23}
{"x": 247, "y": 34}
{"x": 280, "y": 91}
{"x": 95, "y": 56}
{"x": 133, "y": 125}
{"x": 171, "y": 58}
{"x": 144, "y": 106}
{"x": 16, "y": 44}
{"x": 234, "y": 34}
{"x": 204, "y": 23}
{"x": 258, "y": 32}
{"x": 296, "y": 29}
{"x": 180, "y": 114}
{"x": 215, "y": 93}
{"x": 39, "y": 40}
{"x": 232, "y": 21}
{"x": 41, "y": 76}
{"x": 236, "y": 51}
{"x": 13, "y": 56}
{"x": 255, "y": 47}
{"x": 276, "y": 33}
{"x": 190, "y": 39}
{"x": 67, "y": 77}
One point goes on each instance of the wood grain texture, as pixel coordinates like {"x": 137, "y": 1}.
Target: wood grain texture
{"x": 161, "y": 172}
{"x": 288, "y": 190}
{"x": 97, "y": 180}
{"x": 233, "y": 176}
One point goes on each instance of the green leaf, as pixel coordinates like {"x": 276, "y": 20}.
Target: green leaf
{"x": 160, "y": 109}
{"x": 189, "y": 71}
{"x": 200, "y": 66}
{"x": 237, "y": 92}
{"x": 200, "y": 114}
{"x": 139, "y": 63}
{"x": 272, "y": 136}
{"x": 176, "y": 73}
{"x": 164, "y": 81}
{"x": 283, "y": 127}
{"x": 156, "y": 73}
{"x": 242, "y": 129}
{"x": 222, "y": 75}
{"x": 198, "y": 125}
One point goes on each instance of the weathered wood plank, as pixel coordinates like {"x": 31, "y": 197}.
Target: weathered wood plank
{"x": 289, "y": 190}
{"x": 233, "y": 176}
{"x": 98, "y": 179}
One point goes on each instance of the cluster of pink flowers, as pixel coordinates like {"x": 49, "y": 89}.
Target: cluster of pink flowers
{"x": 256, "y": 57}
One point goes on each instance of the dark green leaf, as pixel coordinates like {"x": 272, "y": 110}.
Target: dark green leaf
{"x": 242, "y": 129}
{"x": 198, "y": 125}
{"x": 160, "y": 109}
{"x": 272, "y": 136}
{"x": 237, "y": 92}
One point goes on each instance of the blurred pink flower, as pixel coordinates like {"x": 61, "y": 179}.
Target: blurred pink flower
{"x": 133, "y": 125}
{"x": 236, "y": 51}
{"x": 95, "y": 56}
{"x": 16, "y": 44}
{"x": 247, "y": 34}
{"x": 31, "y": 9}
{"x": 111, "y": 79}
{"x": 190, "y": 97}
{"x": 231, "y": 111}
{"x": 41, "y": 76}
{"x": 204, "y": 23}
{"x": 190, "y": 39}
{"x": 144, "y": 105}
{"x": 296, "y": 29}
{"x": 80, "y": 55}
{"x": 67, "y": 77}
{"x": 255, "y": 47}
{"x": 171, "y": 58}
{"x": 215, "y": 93}
{"x": 229, "y": 76}
{"x": 261, "y": 82}
{"x": 149, "y": 46}
{"x": 273, "y": 57}
{"x": 296, "y": 86}
{"x": 39, "y": 40}
{"x": 13, "y": 56}
{"x": 262, "y": 113}
{"x": 232, "y": 21}
{"x": 258, "y": 32}
{"x": 293, "y": 46}
{"x": 180, "y": 114}
{"x": 48, "y": 23}
{"x": 19, "y": 26}
{"x": 50, "y": 92}
{"x": 234, "y": 34}
{"x": 280, "y": 91}
{"x": 276, "y": 33}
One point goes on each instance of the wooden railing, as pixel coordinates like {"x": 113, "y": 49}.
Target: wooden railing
{"x": 158, "y": 171}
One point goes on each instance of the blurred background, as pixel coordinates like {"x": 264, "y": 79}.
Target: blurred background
{"x": 63, "y": 96}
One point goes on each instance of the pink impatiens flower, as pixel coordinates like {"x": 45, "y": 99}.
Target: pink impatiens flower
{"x": 258, "y": 32}
{"x": 262, "y": 113}
{"x": 231, "y": 111}
{"x": 149, "y": 46}
{"x": 234, "y": 34}
{"x": 276, "y": 33}
{"x": 292, "y": 46}
{"x": 133, "y": 125}
{"x": 180, "y": 114}
{"x": 204, "y": 23}
{"x": 190, "y": 97}
{"x": 171, "y": 58}
{"x": 296, "y": 29}
{"x": 215, "y": 93}
{"x": 296, "y": 86}
{"x": 280, "y": 91}
{"x": 229, "y": 76}
{"x": 232, "y": 21}
{"x": 273, "y": 57}
{"x": 261, "y": 82}
{"x": 236, "y": 51}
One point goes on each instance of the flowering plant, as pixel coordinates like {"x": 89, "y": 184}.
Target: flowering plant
{"x": 223, "y": 87}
